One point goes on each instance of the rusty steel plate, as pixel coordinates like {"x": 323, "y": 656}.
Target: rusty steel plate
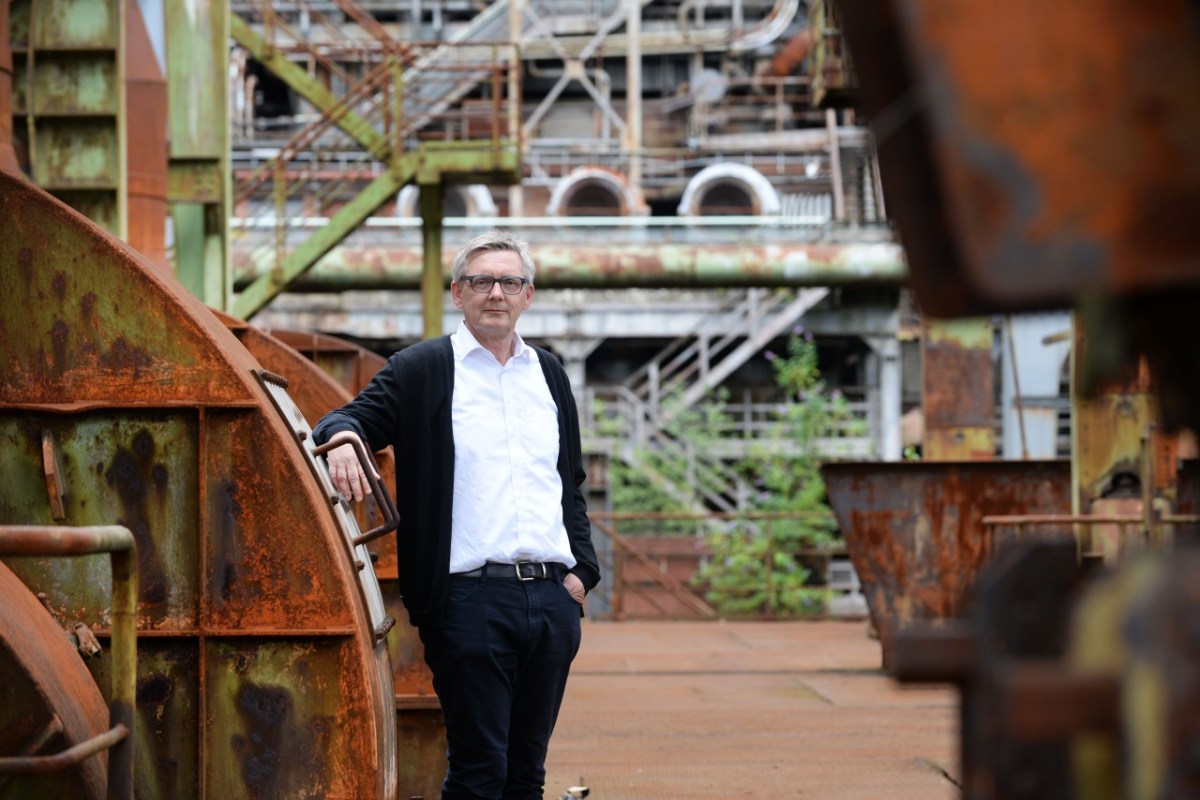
{"x": 259, "y": 673}
{"x": 348, "y": 363}
{"x": 914, "y": 533}
{"x": 1037, "y": 154}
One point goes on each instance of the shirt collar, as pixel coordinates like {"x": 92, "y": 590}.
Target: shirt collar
{"x": 465, "y": 343}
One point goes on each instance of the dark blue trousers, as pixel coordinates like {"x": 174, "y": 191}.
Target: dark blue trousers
{"x": 500, "y": 667}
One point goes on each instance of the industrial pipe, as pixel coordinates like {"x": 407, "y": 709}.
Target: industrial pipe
{"x": 616, "y": 267}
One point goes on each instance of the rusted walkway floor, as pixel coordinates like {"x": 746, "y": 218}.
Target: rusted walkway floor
{"x": 707, "y": 710}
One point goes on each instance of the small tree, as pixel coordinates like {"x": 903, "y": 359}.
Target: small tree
{"x": 760, "y": 568}
{"x": 756, "y": 566}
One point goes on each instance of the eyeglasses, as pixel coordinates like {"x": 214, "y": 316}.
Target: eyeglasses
{"x": 510, "y": 284}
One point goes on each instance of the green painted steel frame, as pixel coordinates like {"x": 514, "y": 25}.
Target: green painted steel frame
{"x": 199, "y": 178}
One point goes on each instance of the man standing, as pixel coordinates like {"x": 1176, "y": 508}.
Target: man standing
{"x": 494, "y": 542}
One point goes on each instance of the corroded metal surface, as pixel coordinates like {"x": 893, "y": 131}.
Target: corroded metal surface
{"x": 146, "y": 133}
{"x": 616, "y": 266}
{"x": 958, "y": 381}
{"x": 420, "y": 733}
{"x": 914, "y": 532}
{"x": 349, "y": 364}
{"x": 259, "y": 673}
{"x": 60, "y": 701}
{"x": 118, "y": 542}
{"x": 1037, "y": 155}
{"x": 325, "y": 373}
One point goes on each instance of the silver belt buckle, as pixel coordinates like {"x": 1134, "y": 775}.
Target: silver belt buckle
{"x": 521, "y": 577}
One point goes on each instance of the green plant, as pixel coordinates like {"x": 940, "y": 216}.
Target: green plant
{"x": 756, "y": 565}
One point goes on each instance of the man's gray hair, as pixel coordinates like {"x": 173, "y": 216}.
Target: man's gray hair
{"x": 491, "y": 241}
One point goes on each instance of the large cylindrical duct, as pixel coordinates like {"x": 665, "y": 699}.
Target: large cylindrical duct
{"x": 596, "y": 192}
{"x": 729, "y": 189}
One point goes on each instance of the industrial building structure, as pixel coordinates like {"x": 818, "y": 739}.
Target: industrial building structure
{"x": 695, "y": 185}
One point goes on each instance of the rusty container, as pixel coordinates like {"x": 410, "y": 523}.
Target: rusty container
{"x": 325, "y": 372}
{"x": 261, "y": 667}
{"x": 914, "y": 529}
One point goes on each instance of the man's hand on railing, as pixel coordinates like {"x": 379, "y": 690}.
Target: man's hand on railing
{"x": 344, "y": 468}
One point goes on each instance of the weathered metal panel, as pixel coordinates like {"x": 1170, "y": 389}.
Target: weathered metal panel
{"x": 74, "y": 83}
{"x": 159, "y": 421}
{"x": 76, "y": 154}
{"x": 349, "y": 364}
{"x": 263, "y": 571}
{"x": 914, "y": 532}
{"x": 284, "y": 721}
{"x": 78, "y": 332}
{"x": 167, "y": 732}
{"x": 137, "y": 469}
{"x": 1037, "y": 154}
{"x": 958, "y": 380}
{"x": 77, "y": 24}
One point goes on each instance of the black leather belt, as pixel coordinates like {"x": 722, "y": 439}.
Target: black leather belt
{"x": 522, "y": 571}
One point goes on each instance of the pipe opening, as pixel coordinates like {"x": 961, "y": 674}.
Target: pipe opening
{"x": 727, "y": 199}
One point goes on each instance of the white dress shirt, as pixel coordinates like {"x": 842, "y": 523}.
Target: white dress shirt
{"x": 507, "y": 490}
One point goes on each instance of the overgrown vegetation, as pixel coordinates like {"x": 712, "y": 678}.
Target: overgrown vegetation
{"x": 756, "y": 566}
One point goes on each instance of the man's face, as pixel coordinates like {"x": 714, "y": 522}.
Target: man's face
{"x": 493, "y": 313}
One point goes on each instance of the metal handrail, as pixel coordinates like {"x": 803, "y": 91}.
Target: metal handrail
{"x": 118, "y": 542}
{"x": 387, "y": 506}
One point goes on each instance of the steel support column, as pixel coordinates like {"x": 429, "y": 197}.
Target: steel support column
{"x": 199, "y": 187}
{"x": 886, "y": 350}
{"x": 431, "y": 273}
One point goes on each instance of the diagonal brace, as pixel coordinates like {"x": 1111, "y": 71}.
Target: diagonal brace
{"x": 312, "y": 91}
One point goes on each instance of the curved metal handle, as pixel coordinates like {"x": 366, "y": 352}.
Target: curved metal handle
{"x": 387, "y": 506}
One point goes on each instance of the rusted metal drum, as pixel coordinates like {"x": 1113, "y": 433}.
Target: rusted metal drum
{"x": 914, "y": 529}
{"x": 420, "y": 732}
{"x": 349, "y": 364}
{"x": 338, "y": 370}
{"x": 260, "y": 672}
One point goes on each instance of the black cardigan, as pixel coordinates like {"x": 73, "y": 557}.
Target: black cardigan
{"x": 408, "y": 405}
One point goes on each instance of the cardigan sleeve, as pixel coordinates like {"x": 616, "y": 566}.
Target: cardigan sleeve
{"x": 371, "y": 415}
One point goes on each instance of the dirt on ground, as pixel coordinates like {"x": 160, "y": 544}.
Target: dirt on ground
{"x": 707, "y": 710}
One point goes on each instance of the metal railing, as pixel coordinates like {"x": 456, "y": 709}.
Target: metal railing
{"x": 657, "y": 581}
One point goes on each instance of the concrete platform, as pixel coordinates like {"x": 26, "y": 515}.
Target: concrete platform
{"x": 706, "y": 710}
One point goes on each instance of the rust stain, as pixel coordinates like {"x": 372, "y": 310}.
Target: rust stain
{"x": 127, "y": 473}
{"x": 123, "y": 356}
{"x": 25, "y": 263}
{"x": 267, "y": 714}
{"x": 58, "y": 283}
{"x": 58, "y": 344}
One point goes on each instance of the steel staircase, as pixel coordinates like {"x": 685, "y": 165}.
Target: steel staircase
{"x": 393, "y": 124}
{"x": 687, "y": 369}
